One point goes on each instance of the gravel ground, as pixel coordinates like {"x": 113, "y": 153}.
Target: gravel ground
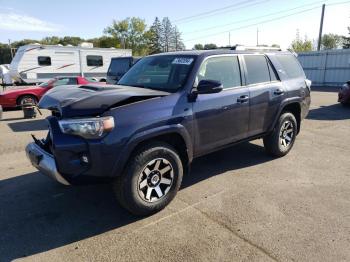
{"x": 237, "y": 204}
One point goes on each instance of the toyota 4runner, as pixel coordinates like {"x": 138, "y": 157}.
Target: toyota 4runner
{"x": 168, "y": 109}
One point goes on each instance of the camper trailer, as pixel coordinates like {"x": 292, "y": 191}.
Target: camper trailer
{"x": 37, "y": 63}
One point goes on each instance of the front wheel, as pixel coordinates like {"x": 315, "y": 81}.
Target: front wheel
{"x": 151, "y": 179}
{"x": 282, "y": 138}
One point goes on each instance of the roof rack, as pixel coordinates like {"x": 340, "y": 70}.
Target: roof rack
{"x": 255, "y": 48}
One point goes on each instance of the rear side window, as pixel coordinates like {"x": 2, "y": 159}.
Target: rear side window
{"x": 119, "y": 67}
{"x": 94, "y": 60}
{"x": 257, "y": 69}
{"x": 291, "y": 67}
{"x": 224, "y": 69}
{"x": 44, "y": 60}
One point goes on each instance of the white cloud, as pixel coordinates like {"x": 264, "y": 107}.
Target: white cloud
{"x": 14, "y": 21}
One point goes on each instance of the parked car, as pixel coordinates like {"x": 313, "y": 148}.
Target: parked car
{"x": 118, "y": 67}
{"x": 344, "y": 94}
{"x": 167, "y": 110}
{"x": 17, "y": 96}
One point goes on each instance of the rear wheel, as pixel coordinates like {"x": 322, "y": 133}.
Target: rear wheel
{"x": 27, "y": 99}
{"x": 151, "y": 179}
{"x": 282, "y": 138}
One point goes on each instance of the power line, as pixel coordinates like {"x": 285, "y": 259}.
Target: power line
{"x": 221, "y": 10}
{"x": 265, "y": 21}
{"x": 253, "y": 18}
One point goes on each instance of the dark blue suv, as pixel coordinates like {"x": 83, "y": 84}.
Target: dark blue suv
{"x": 143, "y": 133}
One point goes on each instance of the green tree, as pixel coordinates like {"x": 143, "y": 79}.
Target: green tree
{"x": 301, "y": 45}
{"x": 71, "y": 40}
{"x": 51, "y": 40}
{"x": 198, "y": 47}
{"x": 210, "y": 46}
{"x": 154, "y": 37}
{"x": 178, "y": 44}
{"x": 131, "y": 33}
{"x": 5, "y": 54}
{"x": 167, "y": 37}
{"x": 346, "y": 40}
{"x": 331, "y": 41}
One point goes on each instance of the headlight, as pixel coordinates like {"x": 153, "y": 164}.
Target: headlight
{"x": 89, "y": 128}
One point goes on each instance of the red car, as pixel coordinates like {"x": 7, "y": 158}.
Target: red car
{"x": 344, "y": 94}
{"x": 19, "y": 95}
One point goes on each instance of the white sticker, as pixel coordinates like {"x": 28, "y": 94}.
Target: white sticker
{"x": 182, "y": 61}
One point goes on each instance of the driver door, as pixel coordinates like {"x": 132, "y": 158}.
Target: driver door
{"x": 221, "y": 118}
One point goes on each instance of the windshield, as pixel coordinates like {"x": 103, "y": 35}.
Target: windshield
{"x": 165, "y": 72}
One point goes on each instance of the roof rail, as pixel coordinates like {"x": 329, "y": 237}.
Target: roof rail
{"x": 255, "y": 48}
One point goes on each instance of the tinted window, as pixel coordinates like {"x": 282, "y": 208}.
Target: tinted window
{"x": 94, "y": 60}
{"x": 257, "y": 68}
{"x": 65, "y": 81}
{"x": 44, "y": 60}
{"x": 224, "y": 69}
{"x": 163, "y": 72}
{"x": 291, "y": 67}
{"x": 119, "y": 66}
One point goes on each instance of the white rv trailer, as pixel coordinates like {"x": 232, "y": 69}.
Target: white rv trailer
{"x": 37, "y": 63}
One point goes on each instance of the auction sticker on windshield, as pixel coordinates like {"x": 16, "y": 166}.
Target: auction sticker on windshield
{"x": 182, "y": 61}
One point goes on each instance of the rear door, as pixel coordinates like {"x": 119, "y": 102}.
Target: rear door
{"x": 266, "y": 92}
{"x": 221, "y": 118}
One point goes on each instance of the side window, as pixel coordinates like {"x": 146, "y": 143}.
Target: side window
{"x": 44, "y": 60}
{"x": 257, "y": 69}
{"x": 94, "y": 60}
{"x": 62, "y": 81}
{"x": 224, "y": 69}
{"x": 290, "y": 66}
{"x": 72, "y": 81}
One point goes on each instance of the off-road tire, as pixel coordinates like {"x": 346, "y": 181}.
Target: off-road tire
{"x": 126, "y": 186}
{"x": 272, "y": 142}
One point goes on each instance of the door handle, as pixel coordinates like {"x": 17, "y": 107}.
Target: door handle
{"x": 243, "y": 99}
{"x": 278, "y": 92}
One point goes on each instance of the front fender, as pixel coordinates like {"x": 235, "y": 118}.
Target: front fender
{"x": 142, "y": 136}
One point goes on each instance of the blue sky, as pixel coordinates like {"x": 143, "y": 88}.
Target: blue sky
{"x": 39, "y": 18}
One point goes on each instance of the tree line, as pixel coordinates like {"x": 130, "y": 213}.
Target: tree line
{"x": 130, "y": 33}
{"x": 328, "y": 42}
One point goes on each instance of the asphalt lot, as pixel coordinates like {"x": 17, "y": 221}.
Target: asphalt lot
{"x": 237, "y": 205}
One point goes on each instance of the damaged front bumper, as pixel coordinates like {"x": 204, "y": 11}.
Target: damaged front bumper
{"x": 44, "y": 162}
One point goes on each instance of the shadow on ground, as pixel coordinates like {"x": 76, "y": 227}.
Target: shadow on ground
{"x": 27, "y": 126}
{"x": 332, "y": 112}
{"x": 37, "y": 214}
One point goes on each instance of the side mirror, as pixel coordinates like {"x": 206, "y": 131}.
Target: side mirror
{"x": 209, "y": 87}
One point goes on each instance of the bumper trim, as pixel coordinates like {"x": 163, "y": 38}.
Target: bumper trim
{"x": 44, "y": 162}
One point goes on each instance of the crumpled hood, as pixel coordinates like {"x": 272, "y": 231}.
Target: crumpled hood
{"x": 93, "y": 100}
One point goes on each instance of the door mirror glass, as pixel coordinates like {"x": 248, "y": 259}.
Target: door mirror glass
{"x": 209, "y": 87}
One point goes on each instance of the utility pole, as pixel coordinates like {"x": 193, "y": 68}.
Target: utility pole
{"x": 229, "y": 39}
{"x": 257, "y": 37}
{"x": 321, "y": 28}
